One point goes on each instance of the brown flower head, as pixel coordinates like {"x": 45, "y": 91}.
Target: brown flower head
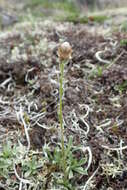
{"x": 65, "y": 51}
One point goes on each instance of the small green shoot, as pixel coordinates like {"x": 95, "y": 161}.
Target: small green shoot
{"x": 124, "y": 27}
{"x": 6, "y": 159}
{"x": 123, "y": 42}
{"x": 98, "y": 18}
{"x": 76, "y": 18}
{"x": 97, "y": 72}
{"x": 10, "y": 155}
{"x": 30, "y": 166}
{"x": 121, "y": 87}
{"x": 73, "y": 164}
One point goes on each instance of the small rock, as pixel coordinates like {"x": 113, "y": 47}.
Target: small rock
{"x": 7, "y": 19}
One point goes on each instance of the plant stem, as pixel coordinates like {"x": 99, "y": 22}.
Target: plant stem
{"x": 61, "y": 116}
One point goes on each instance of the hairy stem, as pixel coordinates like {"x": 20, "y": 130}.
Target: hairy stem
{"x": 61, "y": 116}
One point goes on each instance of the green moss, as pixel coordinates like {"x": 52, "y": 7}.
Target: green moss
{"x": 123, "y": 42}
{"x": 33, "y": 3}
{"x": 98, "y": 18}
{"x": 63, "y": 10}
{"x": 123, "y": 27}
{"x": 59, "y": 10}
{"x": 37, "y": 14}
{"x": 76, "y": 18}
{"x": 55, "y": 4}
{"x": 65, "y": 6}
{"x": 98, "y": 72}
{"x": 122, "y": 87}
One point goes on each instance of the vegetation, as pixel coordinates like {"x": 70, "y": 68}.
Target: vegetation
{"x": 63, "y": 108}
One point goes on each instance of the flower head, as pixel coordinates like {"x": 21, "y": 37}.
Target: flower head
{"x": 65, "y": 51}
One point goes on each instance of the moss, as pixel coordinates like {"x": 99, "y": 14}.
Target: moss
{"x": 75, "y": 18}
{"x": 98, "y": 18}
{"x": 58, "y": 10}
{"x": 63, "y": 10}
{"x": 122, "y": 87}
{"x": 33, "y": 3}
{"x": 63, "y": 5}
{"x": 123, "y": 42}
{"x": 123, "y": 27}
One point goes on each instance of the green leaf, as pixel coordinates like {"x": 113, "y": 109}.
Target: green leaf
{"x": 70, "y": 176}
{"x": 82, "y": 162}
{"x": 49, "y": 155}
{"x": 7, "y": 150}
{"x": 69, "y": 146}
{"x": 27, "y": 174}
{"x": 80, "y": 170}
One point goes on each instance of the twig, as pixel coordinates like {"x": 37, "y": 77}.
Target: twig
{"x": 99, "y": 127}
{"x": 117, "y": 58}
{"x": 98, "y": 54}
{"x": 28, "y": 71}
{"x": 88, "y": 181}
{"x": 20, "y": 185}
{"x": 90, "y": 156}
{"x": 2, "y": 85}
{"x": 44, "y": 126}
{"x": 82, "y": 106}
{"x": 20, "y": 116}
{"x": 19, "y": 178}
{"x": 121, "y": 153}
{"x": 4, "y": 102}
{"x": 86, "y": 124}
{"x": 114, "y": 149}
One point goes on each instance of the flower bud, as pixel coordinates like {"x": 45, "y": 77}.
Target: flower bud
{"x": 65, "y": 51}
